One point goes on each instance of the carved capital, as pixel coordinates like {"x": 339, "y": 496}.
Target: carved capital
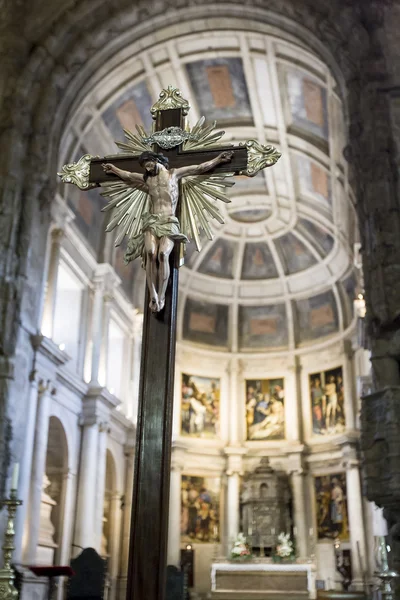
{"x": 234, "y": 462}
{"x": 105, "y": 280}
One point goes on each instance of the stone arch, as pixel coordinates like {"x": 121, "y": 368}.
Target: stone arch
{"x": 56, "y": 471}
{"x": 345, "y": 34}
{"x": 336, "y": 32}
{"x": 116, "y": 457}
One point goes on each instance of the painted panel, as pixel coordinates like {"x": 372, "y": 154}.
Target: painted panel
{"x": 317, "y": 317}
{"x": 220, "y": 89}
{"x": 205, "y": 323}
{"x": 200, "y": 401}
{"x": 258, "y": 262}
{"x": 331, "y": 507}
{"x": 294, "y": 254}
{"x": 308, "y": 103}
{"x": 265, "y": 410}
{"x": 200, "y": 506}
{"x": 219, "y": 260}
{"x": 314, "y": 180}
{"x": 263, "y": 326}
{"x": 320, "y": 238}
{"x": 327, "y": 401}
{"x": 130, "y": 109}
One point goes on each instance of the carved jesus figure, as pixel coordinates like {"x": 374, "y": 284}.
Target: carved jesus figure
{"x": 160, "y": 227}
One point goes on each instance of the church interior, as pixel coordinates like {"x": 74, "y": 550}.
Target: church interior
{"x": 286, "y": 418}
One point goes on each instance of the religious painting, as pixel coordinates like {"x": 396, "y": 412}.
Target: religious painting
{"x": 314, "y": 180}
{"x": 295, "y": 256}
{"x": 220, "y": 89}
{"x": 205, "y": 322}
{"x": 200, "y": 401}
{"x": 200, "y": 504}
{"x": 318, "y": 237}
{"x": 265, "y": 409}
{"x": 131, "y": 108}
{"x": 327, "y": 401}
{"x": 263, "y": 326}
{"x": 317, "y": 317}
{"x": 258, "y": 262}
{"x": 308, "y": 103}
{"x": 331, "y": 507}
{"x": 219, "y": 260}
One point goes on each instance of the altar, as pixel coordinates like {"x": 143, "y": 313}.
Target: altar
{"x": 262, "y": 579}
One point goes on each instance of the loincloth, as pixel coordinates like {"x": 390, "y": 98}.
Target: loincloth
{"x": 160, "y": 226}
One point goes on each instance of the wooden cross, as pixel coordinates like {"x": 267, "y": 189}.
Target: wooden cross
{"x": 149, "y": 524}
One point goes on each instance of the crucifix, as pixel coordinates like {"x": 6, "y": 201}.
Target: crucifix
{"x": 185, "y": 173}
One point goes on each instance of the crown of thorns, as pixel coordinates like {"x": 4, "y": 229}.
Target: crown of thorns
{"x": 160, "y": 158}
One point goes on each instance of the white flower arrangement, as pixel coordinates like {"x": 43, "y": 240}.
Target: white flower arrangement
{"x": 240, "y": 548}
{"x": 284, "y": 547}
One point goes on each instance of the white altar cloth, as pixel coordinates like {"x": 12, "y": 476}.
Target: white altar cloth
{"x": 266, "y": 566}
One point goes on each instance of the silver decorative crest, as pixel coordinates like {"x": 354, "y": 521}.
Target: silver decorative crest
{"x": 78, "y": 173}
{"x": 259, "y": 156}
{"x": 168, "y": 138}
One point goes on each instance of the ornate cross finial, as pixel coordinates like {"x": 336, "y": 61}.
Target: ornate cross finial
{"x": 169, "y": 99}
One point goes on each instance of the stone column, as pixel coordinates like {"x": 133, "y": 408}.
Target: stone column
{"x": 97, "y": 332}
{"x": 56, "y": 237}
{"x": 100, "y": 481}
{"x": 174, "y": 523}
{"x": 300, "y": 511}
{"x": 115, "y": 540}
{"x": 234, "y": 472}
{"x": 294, "y": 423}
{"x": 126, "y": 517}
{"x": 67, "y": 501}
{"x": 85, "y": 531}
{"x": 97, "y": 405}
{"x": 105, "y": 281}
{"x": 355, "y": 507}
{"x": 234, "y": 369}
{"x": 38, "y": 470}
{"x": 21, "y": 526}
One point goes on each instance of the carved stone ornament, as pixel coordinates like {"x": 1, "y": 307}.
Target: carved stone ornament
{"x": 78, "y": 173}
{"x": 260, "y": 156}
{"x": 169, "y": 138}
{"x": 169, "y": 99}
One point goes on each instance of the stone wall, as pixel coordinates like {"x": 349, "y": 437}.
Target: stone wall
{"x": 43, "y": 49}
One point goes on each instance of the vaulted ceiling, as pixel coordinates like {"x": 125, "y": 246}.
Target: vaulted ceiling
{"x": 278, "y": 274}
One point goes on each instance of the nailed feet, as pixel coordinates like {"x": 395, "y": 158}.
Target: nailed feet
{"x": 156, "y": 304}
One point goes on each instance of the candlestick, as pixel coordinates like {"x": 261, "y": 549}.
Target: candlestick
{"x": 7, "y": 576}
{"x": 15, "y": 475}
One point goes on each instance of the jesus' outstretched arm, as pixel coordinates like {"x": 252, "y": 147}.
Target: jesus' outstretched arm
{"x": 224, "y": 157}
{"x": 127, "y": 176}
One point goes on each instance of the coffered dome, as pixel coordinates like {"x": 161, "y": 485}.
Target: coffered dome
{"x": 278, "y": 274}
